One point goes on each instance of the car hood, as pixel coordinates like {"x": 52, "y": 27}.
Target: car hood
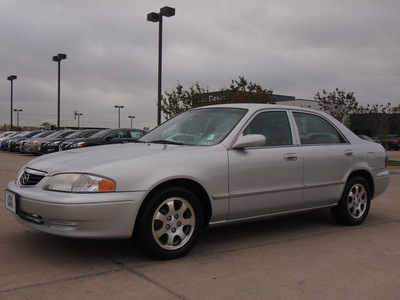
{"x": 109, "y": 158}
{"x": 141, "y": 166}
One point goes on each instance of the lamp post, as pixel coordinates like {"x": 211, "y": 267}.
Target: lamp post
{"x": 11, "y": 78}
{"x": 157, "y": 17}
{"x": 79, "y": 120}
{"x": 119, "y": 114}
{"x": 58, "y": 58}
{"x": 18, "y": 111}
{"x": 131, "y": 117}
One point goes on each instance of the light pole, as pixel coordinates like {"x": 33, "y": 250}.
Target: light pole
{"x": 119, "y": 114}
{"x": 11, "y": 78}
{"x": 157, "y": 17}
{"x": 58, "y": 58}
{"x": 18, "y": 111}
{"x": 131, "y": 117}
{"x": 79, "y": 120}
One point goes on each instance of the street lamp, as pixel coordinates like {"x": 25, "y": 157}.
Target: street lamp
{"x": 157, "y": 17}
{"x": 18, "y": 111}
{"x": 11, "y": 78}
{"x": 131, "y": 117}
{"x": 119, "y": 113}
{"x": 58, "y": 58}
{"x": 79, "y": 120}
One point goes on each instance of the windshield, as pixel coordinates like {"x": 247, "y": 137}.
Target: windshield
{"x": 102, "y": 133}
{"x": 205, "y": 127}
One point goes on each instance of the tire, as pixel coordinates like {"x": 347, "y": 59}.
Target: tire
{"x": 170, "y": 223}
{"x": 355, "y": 203}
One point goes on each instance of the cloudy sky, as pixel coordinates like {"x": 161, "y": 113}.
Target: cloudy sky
{"x": 293, "y": 47}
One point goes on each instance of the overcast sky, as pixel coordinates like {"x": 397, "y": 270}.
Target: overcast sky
{"x": 295, "y": 48}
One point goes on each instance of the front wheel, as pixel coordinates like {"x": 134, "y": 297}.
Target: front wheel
{"x": 354, "y": 205}
{"x": 169, "y": 224}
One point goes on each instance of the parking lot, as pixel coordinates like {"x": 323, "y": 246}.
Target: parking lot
{"x": 305, "y": 256}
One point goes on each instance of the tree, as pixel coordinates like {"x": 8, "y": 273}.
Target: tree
{"x": 247, "y": 91}
{"x": 180, "y": 100}
{"x": 338, "y": 104}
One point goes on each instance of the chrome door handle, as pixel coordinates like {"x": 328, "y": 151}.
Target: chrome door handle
{"x": 349, "y": 152}
{"x": 290, "y": 157}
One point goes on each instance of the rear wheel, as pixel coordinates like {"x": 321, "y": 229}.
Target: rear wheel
{"x": 354, "y": 205}
{"x": 169, "y": 224}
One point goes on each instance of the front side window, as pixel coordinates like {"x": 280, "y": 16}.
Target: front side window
{"x": 118, "y": 134}
{"x": 316, "y": 130}
{"x": 273, "y": 125}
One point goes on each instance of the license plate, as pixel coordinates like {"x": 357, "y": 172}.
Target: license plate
{"x": 11, "y": 201}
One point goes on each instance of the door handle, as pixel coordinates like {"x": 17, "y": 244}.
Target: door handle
{"x": 349, "y": 152}
{"x": 290, "y": 157}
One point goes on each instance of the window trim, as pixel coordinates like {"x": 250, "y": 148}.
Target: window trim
{"x": 293, "y": 130}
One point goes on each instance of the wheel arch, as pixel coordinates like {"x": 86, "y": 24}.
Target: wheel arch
{"x": 191, "y": 185}
{"x": 367, "y": 176}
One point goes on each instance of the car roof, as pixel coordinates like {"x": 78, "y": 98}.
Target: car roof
{"x": 257, "y": 106}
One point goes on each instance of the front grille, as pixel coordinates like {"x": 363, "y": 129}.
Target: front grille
{"x": 31, "y": 218}
{"x": 30, "y": 177}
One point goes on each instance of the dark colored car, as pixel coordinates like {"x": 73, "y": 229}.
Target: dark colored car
{"x": 367, "y": 138}
{"x": 27, "y": 134}
{"x": 53, "y": 145}
{"x": 16, "y": 145}
{"x": 105, "y": 137}
{"x": 390, "y": 141}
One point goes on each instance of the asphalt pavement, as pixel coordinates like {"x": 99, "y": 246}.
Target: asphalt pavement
{"x": 306, "y": 256}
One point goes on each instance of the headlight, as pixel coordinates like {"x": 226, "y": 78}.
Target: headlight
{"x": 80, "y": 183}
{"x": 55, "y": 143}
{"x": 77, "y": 145}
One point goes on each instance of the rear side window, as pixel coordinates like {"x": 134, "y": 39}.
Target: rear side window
{"x": 274, "y": 126}
{"x": 136, "y": 134}
{"x": 316, "y": 130}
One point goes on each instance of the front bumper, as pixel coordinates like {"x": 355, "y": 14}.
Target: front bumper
{"x": 84, "y": 215}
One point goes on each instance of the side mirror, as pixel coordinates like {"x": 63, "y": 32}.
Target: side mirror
{"x": 108, "y": 138}
{"x": 250, "y": 140}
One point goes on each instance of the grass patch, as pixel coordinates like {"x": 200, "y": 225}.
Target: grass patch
{"x": 394, "y": 163}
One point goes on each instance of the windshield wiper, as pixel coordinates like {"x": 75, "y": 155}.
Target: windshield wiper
{"x": 166, "y": 142}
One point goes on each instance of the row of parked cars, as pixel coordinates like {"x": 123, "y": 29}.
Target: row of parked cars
{"x": 39, "y": 142}
{"x": 388, "y": 141}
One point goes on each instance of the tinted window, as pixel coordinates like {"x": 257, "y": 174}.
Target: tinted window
{"x": 274, "y": 126}
{"x": 316, "y": 130}
{"x": 119, "y": 134}
{"x": 136, "y": 134}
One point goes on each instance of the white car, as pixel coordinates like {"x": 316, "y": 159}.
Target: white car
{"x": 209, "y": 165}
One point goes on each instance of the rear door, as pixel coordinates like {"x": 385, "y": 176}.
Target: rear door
{"x": 328, "y": 159}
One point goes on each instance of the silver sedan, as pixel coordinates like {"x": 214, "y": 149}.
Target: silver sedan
{"x": 209, "y": 165}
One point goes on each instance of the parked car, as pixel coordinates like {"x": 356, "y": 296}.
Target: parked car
{"x": 5, "y": 134}
{"x": 53, "y": 145}
{"x": 12, "y": 134}
{"x": 15, "y": 145}
{"x": 30, "y": 145}
{"x": 390, "y": 141}
{"x": 209, "y": 165}
{"x": 367, "y": 138}
{"x": 105, "y": 137}
{"x": 25, "y": 134}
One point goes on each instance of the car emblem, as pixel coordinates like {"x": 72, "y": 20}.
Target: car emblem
{"x": 24, "y": 178}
